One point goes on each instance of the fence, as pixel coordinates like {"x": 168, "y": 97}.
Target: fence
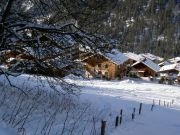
{"x": 119, "y": 118}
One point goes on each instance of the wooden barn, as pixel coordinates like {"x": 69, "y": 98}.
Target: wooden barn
{"x": 106, "y": 66}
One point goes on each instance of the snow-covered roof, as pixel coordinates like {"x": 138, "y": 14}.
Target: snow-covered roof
{"x": 3, "y": 66}
{"x": 149, "y": 63}
{"x": 175, "y": 60}
{"x": 10, "y": 59}
{"x": 164, "y": 63}
{"x": 170, "y": 67}
{"x": 134, "y": 56}
{"x": 152, "y": 56}
{"x": 84, "y": 48}
{"x": 116, "y": 56}
{"x": 4, "y": 52}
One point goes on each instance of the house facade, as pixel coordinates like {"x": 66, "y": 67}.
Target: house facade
{"x": 106, "y": 66}
{"x": 141, "y": 66}
{"x": 146, "y": 68}
{"x": 170, "y": 72}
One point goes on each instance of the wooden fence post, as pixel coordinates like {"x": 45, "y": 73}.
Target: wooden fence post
{"x": 133, "y": 114}
{"x": 117, "y": 121}
{"x": 159, "y": 102}
{"x": 173, "y": 101}
{"x": 120, "y": 118}
{"x": 152, "y": 107}
{"x": 140, "y": 108}
{"x": 121, "y": 112}
{"x": 164, "y": 103}
{"x": 120, "y": 121}
{"x": 103, "y": 126}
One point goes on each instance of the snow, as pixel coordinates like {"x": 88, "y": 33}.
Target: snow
{"x": 115, "y": 95}
{"x": 175, "y": 60}
{"x": 2, "y": 66}
{"x": 170, "y": 67}
{"x": 116, "y": 56}
{"x": 152, "y": 57}
{"x": 10, "y": 59}
{"x": 159, "y": 122}
{"x": 129, "y": 22}
{"x": 161, "y": 38}
{"x": 128, "y": 89}
{"x": 109, "y": 97}
{"x": 164, "y": 63}
{"x": 5, "y": 130}
{"x": 67, "y": 40}
{"x": 134, "y": 56}
{"x": 149, "y": 63}
{"x": 141, "y": 57}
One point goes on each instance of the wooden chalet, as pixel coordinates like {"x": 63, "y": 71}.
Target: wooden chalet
{"x": 146, "y": 68}
{"x": 106, "y": 66}
{"x": 171, "y": 68}
{"x": 142, "y": 66}
{"x": 171, "y": 71}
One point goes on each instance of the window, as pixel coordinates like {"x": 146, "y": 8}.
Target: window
{"x": 106, "y": 66}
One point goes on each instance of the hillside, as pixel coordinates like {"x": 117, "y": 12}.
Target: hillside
{"x": 145, "y": 26}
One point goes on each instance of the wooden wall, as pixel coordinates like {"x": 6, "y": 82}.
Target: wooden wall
{"x": 144, "y": 71}
{"x": 104, "y": 68}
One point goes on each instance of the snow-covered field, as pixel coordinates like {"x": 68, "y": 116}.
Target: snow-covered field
{"x": 5, "y": 130}
{"x": 127, "y": 94}
{"x": 131, "y": 90}
{"x": 109, "y": 97}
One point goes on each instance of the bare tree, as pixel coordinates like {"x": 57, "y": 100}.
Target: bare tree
{"x": 37, "y": 33}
